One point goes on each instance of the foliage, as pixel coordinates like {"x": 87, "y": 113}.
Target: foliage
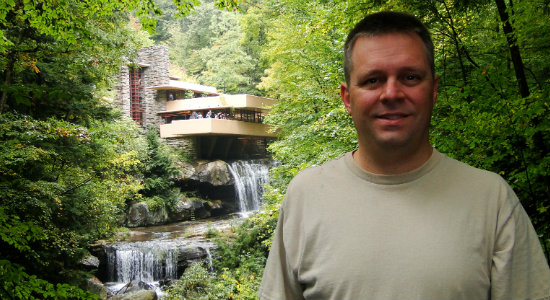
{"x": 16, "y": 284}
{"x": 239, "y": 267}
{"x": 38, "y": 64}
{"x": 250, "y": 243}
{"x": 159, "y": 170}
{"x": 304, "y": 51}
{"x": 212, "y": 47}
{"x": 61, "y": 187}
{"x": 197, "y": 283}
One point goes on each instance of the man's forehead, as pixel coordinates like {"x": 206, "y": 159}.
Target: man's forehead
{"x": 387, "y": 45}
{"x": 405, "y": 50}
{"x": 366, "y": 37}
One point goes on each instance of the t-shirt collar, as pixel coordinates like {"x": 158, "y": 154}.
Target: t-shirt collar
{"x": 434, "y": 159}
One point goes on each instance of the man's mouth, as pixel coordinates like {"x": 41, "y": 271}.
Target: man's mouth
{"x": 392, "y": 116}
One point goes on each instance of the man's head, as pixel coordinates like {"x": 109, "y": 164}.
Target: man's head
{"x": 384, "y": 23}
{"x": 391, "y": 87}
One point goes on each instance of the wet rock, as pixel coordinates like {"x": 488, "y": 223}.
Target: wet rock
{"x": 215, "y": 173}
{"x": 134, "y": 286}
{"x": 95, "y": 286}
{"x": 181, "y": 210}
{"x": 89, "y": 262}
{"x": 137, "y": 295}
{"x": 191, "y": 254}
{"x": 166, "y": 282}
{"x": 138, "y": 214}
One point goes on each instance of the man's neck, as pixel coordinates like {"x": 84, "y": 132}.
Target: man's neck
{"x": 391, "y": 161}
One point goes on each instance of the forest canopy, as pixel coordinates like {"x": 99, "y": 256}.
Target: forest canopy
{"x": 70, "y": 164}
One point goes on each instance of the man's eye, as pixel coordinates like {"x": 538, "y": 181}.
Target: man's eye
{"x": 372, "y": 82}
{"x": 411, "y": 79}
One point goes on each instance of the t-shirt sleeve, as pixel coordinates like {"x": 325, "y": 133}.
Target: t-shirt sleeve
{"x": 519, "y": 269}
{"x": 279, "y": 280}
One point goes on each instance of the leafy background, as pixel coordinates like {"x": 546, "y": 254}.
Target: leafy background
{"x": 70, "y": 165}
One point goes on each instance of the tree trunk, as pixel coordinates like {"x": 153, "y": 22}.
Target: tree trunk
{"x": 514, "y": 49}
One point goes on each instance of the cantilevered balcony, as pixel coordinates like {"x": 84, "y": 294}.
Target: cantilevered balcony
{"x": 242, "y": 101}
{"x": 237, "y": 115}
{"x": 211, "y": 126}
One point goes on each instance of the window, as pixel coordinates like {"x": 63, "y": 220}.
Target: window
{"x": 136, "y": 110}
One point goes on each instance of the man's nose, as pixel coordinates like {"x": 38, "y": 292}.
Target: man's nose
{"x": 392, "y": 90}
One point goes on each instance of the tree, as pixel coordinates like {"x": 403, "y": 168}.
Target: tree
{"x": 210, "y": 46}
{"x": 62, "y": 186}
{"x": 68, "y": 165}
{"x": 159, "y": 171}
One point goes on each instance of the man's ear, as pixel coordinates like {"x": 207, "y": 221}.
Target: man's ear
{"x": 436, "y": 83}
{"x": 344, "y": 93}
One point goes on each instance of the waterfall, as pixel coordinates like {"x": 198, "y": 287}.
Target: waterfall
{"x": 209, "y": 260}
{"x": 151, "y": 255}
{"x": 145, "y": 261}
{"x": 250, "y": 176}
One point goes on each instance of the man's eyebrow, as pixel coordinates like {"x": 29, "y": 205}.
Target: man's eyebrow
{"x": 416, "y": 69}
{"x": 376, "y": 72}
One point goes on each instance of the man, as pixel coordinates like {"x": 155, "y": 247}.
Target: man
{"x": 396, "y": 219}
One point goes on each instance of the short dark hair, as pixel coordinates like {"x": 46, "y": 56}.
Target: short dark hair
{"x": 387, "y": 22}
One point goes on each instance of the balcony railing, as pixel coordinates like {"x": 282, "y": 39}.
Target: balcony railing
{"x": 211, "y": 126}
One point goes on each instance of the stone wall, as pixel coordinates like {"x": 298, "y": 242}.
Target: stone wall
{"x": 123, "y": 91}
{"x": 187, "y": 145}
{"x": 155, "y": 63}
{"x": 157, "y": 73}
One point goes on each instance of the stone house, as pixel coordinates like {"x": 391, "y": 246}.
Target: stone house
{"x": 196, "y": 118}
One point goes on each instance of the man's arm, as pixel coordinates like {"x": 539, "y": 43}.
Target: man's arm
{"x": 519, "y": 269}
{"x": 279, "y": 280}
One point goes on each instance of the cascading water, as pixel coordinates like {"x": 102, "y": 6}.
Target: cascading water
{"x": 156, "y": 252}
{"x": 250, "y": 176}
{"x": 143, "y": 261}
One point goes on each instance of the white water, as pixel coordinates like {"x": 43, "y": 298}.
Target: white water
{"x": 150, "y": 254}
{"x": 154, "y": 255}
{"x": 250, "y": 178}
{"x": 143, "y": 261}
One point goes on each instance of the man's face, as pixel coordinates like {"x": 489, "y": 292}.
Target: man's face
{"x": 391, "y": 91}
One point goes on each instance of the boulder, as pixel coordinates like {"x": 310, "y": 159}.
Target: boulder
{"x": 89, "y": 262}
{"x": 189, "y": 255}
{"x": 186, "y": 171}
{"x": 215, "y": 173}
{"x": 137, "y": 295}
{"x": 95, "y": 286}
{"x": 138, "y": 215}
{"x": 201, "y": 209}
{"x": 181, "y": 211}
{"x": 158, "y": 216}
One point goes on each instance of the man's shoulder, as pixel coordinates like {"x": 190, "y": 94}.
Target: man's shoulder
{"x": 328, "y": 168}
{"x": 471, "y": 177}
{"x": 460, "y": 168}
{"x": 319, "y": 174}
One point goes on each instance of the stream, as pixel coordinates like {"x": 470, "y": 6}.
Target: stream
{"x": 154, "y": 256}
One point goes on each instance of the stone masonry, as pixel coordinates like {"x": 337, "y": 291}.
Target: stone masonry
{"x": 154, "y": 61}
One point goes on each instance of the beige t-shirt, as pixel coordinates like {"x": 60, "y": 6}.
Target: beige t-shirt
{"x": 443, "y": 231}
